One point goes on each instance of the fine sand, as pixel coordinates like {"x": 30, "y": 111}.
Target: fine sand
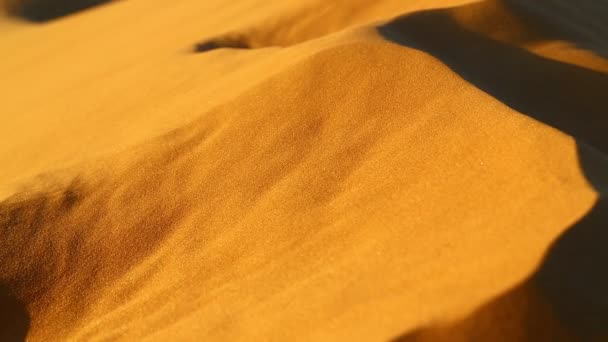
{"x": 312, "y": 170}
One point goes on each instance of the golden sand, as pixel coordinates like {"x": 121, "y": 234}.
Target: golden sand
{"x": 310, "y": 170}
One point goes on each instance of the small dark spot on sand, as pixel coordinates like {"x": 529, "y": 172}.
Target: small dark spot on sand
{"x": 221, "y": 43}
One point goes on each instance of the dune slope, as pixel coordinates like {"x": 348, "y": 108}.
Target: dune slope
{"x": 430, "y": 177}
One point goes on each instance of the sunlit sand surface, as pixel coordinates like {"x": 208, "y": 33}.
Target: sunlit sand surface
{"x": 308, "y": 170}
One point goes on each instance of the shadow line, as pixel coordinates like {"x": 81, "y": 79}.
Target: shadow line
{"x": 566, "y": 299}
{"x": 227, "y": 42}
{"x": 567, "y": 97}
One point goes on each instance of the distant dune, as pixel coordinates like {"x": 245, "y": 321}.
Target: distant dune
{"x": 45, "y": 10}
{"x": 310, "y": 170}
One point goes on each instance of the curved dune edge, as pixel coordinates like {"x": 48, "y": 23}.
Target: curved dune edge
{"x": 315, "y": 19}
{"x": 320, "y": 204}
{"x": 561, "y": 301}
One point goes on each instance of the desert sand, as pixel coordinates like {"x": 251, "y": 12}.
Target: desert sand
{"x": 306, "y": 170}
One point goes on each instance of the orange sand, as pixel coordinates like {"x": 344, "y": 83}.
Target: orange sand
{"x": 306, "y": 170}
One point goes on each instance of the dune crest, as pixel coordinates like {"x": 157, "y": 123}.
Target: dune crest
{"x": 315, "y": 19}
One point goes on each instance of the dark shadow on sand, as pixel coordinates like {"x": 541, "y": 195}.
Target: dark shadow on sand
{"x": 14, "y": 317}
{"x": 45, "y": 10}
{"x": 565, "y": 96}
{"x": 566, "y": 299}
{"x": 581, "y": 22}
{"x": 222, "y": 43}
{"x": 573, "y": 277}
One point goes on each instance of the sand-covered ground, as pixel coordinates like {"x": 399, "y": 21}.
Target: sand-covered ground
{"x": 304, "y": 170}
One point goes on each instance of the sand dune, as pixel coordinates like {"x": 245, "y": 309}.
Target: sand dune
{"x": 45, "y": 10}
{"x": 317, "y": 170}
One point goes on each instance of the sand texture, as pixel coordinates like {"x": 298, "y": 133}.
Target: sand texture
{"x": 306, "y": 170}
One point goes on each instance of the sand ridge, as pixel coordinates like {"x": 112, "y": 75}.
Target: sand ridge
{"x": 393, "y": 180}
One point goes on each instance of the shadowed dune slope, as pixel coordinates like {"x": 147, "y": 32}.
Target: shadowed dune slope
{"x": 505, "y": 71}
{"x": 564, "y": 300}
{"x": 45, "y": 10}
{"x": 14, "y": 318}
{"x": 431, "y": 178}
{"x": 583, "y": 23}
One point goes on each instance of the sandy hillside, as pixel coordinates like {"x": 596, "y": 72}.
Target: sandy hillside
{"x": 311, "y": 170}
